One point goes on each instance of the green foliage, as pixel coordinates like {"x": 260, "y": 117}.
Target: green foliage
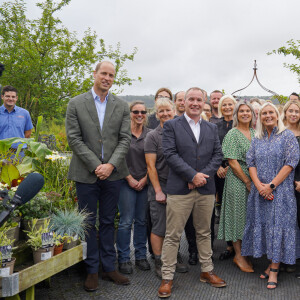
{"x": 58, "y": 239}
{"x": 292, "y": 48}
{"x": 57, "y": 128}
{"x": 35, "y": 234}
{"x": 70, "y": 222}
{"x": 38, "y": 207}
{"x": 46, "y": 62}
{"x": 281, "y": 99}
{"x": 38, "y": 128}
{"x": 55, "y": 171}
{"x": 4, "y": 240}
{"x": 13, "y": 168}
{"x": 9, "y": 172}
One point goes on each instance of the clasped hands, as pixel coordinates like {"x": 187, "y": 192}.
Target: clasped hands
{"x": 103, "y": 171}
{"x": 265, "y": 191}
{"x": 198, "y": 181}
{"x": 135, "y": 184}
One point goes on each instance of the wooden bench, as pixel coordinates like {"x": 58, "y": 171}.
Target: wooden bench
{"x": 25, "y": 280}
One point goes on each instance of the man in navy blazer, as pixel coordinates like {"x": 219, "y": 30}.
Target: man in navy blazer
{"x": 193, "y": 153}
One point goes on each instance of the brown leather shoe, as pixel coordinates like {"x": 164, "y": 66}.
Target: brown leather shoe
{"x": 245, "y": 268}
{"x": 165, "y": 288}
{"x": 212, "y": 279}
{"x": 91, "y": 282}
{"x": 116, "y": 277}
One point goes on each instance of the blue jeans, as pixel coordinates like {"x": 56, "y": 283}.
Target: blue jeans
{"x": 132, "y": 207}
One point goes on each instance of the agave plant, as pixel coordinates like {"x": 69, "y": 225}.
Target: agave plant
{"x": 70, "y": 223}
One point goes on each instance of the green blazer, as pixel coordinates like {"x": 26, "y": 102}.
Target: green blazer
{"x": 86, "y": 138}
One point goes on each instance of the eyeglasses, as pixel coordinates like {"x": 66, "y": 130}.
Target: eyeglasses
{"x": 136, "y": 112}
{"x": 161, "y": 96}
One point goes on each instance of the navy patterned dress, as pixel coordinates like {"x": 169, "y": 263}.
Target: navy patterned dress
{"x": 271, "y": 226}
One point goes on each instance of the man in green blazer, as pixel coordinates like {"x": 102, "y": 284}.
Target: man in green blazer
{"x": 98, "y": 132}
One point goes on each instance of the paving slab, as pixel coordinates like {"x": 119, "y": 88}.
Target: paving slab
{"x": 144, "y": 284}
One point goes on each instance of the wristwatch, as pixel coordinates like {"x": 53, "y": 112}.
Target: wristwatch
{"x": 272, "y": 186}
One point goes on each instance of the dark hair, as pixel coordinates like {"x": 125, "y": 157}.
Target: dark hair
{"x": 163, "y": 90}
{"x": 136, "y": 103}
{"x": 9, "y": 88}
{"x": 294, "y": 94}
{"x": 209, "y": 105}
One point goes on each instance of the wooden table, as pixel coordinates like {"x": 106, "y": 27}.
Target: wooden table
{"x": 26, "y": 279}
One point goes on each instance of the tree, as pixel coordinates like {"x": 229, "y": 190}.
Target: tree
{"x": 46, "y": 62}
{"x": 293, "y": 49}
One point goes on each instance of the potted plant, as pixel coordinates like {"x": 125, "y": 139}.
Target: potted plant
{"x": 71, "y": 223}
{"x": 59, "y": 242}
{"x": 7, "y": 262}
{"x": 39, "y": 207}
{"x": 40, "y": 239}
{"x": 14, "y": 221}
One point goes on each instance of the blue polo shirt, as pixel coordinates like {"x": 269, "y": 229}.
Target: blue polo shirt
{"x": 14, "y": 123}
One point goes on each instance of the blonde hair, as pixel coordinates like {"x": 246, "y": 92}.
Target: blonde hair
{"x": 286, "y": 107}
{"x": 163, "y": 102}
{"x": 221, "y": 102}
{"x": 260, "y": 128}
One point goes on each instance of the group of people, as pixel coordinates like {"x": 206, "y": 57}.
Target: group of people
{"x": 176, "y": 170}
{"x": 166, "y": 171}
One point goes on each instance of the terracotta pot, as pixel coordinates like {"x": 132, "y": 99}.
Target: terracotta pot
{"x": 58, "y": 249}
{"x": 42, "y": 254}
{"x": 7, "y": 268}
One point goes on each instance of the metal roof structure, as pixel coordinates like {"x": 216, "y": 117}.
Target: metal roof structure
{"x": 264, "y": 88}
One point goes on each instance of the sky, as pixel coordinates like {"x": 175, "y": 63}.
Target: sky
{"x": 210, "y": 44}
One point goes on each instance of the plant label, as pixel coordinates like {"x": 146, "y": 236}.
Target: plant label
{"x": 4, "y": 272}
{"x": 46, "y": 255}
{"x": 47, "y": 239}
{"x": 75, "y": 238}
{"x": 5, "y": 253}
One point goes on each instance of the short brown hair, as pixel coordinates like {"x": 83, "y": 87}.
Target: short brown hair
{"x": 163, "y": 90}
{"x": 9, "y": 88}
{"x": 215, "y": 91}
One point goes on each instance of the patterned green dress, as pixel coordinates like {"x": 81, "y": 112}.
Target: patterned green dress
{"x": 235, "y": 194}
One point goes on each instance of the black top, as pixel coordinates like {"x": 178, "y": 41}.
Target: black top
{"x": 135, "y": 157}
{"x": 223, "y": 128}
{"x": 215, "y": 119}
{"x": 297, "y": 169}
{"x": 152, "y": 121}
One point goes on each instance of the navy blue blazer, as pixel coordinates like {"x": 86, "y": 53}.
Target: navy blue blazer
{"x": 185, "y": 157}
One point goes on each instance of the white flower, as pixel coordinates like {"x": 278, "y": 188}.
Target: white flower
{"x": 3, "y": 185}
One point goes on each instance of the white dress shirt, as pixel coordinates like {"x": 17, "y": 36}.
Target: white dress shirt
{"x": 194, "y": 126}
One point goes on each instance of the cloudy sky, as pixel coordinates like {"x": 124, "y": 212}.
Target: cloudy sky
{"x": 210, "y": 44}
